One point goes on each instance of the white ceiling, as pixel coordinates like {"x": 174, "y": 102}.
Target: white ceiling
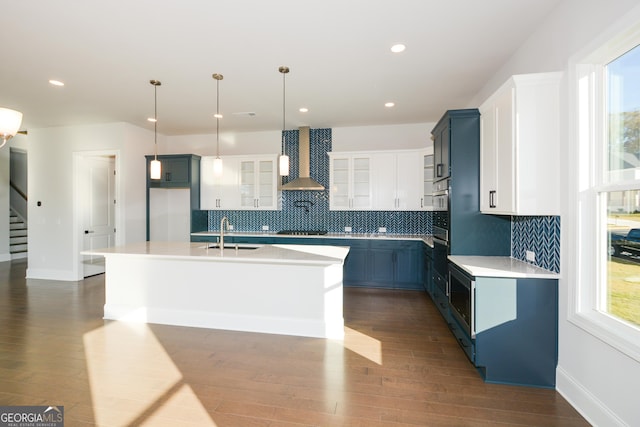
{"x": 338, "y": 52}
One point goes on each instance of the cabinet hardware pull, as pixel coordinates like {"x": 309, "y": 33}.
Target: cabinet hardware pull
{"x": 492, "y": 199}
{"x": 439, "y": 169}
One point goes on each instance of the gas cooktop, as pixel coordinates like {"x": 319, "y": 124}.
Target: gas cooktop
{"x": 303, "y": 232}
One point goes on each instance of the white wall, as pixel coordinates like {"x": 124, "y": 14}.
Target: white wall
{"x": 363, "y": 138}
{"x": 53, "y": 249}
{"x": 602, "y": 383}
{"x": 357, "y": 138}
{"x": 231, "y": 143}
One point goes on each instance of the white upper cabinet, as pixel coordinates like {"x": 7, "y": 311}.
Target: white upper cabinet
{"x": 519, "y": 154}
{"x": 350, "y": 181}
{"x": 246, "y": 183}
{"x": 259, "y": 183}
{"x": 398, "y": 178}
{"x": 219, "y": 192}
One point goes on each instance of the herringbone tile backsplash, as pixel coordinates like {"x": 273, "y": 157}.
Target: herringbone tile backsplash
{"x": 538, "y": 234}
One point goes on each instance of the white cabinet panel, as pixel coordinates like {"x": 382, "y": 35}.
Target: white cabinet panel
{"x": 519, "y": 155}
{"x": 259, "y": 184}
{"x": 350, "y": 181}
{"x": 219, "y": 192}
{"x": 399, "y": 180}
{"x": 247, "y": 183}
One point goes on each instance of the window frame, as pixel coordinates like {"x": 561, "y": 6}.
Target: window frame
{"x": 588, "y": 104}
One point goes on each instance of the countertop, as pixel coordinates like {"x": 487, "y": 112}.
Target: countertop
{"x": 200, "y": 251}
{"x": 375, "y": 236}
{"x": 500, "y": 266}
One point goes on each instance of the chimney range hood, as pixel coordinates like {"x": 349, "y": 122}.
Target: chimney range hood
{"x": 304, "y": 180}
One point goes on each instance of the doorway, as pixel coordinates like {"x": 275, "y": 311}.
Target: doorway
{"x": 97, "y": 210}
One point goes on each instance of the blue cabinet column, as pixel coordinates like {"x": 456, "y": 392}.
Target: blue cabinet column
{"x": 178, "y": 171}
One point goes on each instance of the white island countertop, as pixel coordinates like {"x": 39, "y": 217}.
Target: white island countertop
{"x": 500, "y": 266}
{"x": 246, "y": 253}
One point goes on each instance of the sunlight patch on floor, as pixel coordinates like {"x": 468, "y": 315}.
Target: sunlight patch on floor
{"x": 364, "y": 345}
{"x": 134, "y": 381}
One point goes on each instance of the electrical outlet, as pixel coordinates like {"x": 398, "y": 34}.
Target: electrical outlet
{"x": 230, "y": 227}
{"x": 347, "y": 229}
{"x": 382, "y": 229}
{"x": 265, "y": 228}
{"x": 531, "y": 256}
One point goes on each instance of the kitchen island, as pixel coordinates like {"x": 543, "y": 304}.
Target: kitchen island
{"x": 280, "y": 289}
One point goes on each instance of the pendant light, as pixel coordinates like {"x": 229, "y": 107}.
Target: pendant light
{"x": 156, "y": 166}
{"x": 217, "y": 162}
{"x": 10, "y": 121}
{"x": 284, "y": 159}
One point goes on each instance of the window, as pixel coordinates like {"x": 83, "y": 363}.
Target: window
{"x": 620, "y": 294}
{"x": 606, "y": 296}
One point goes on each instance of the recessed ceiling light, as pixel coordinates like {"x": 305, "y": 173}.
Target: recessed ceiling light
{"x": 217, "y": 116}
{"x": 151, "y": 119}
{"x": 397, "y": 48}
{"x": 389, "y": 104}
{"x": 56, "y": 82}
{"x": 304, "y": 110}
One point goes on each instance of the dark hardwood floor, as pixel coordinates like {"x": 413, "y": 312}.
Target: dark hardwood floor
{"x": 398, "y": 366}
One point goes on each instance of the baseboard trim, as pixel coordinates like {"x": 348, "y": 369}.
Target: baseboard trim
{"x": 45, "y": 274}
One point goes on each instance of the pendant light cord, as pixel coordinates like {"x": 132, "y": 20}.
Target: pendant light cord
{"x": 217, "y": 118}
{"x": 155, "y": 118}
{"x": 217, "y": 77}
{"x": 155, "y": 84}
{"x": 284, "y": 70}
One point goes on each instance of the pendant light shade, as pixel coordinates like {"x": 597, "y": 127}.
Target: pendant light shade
{"x": 217, "y": 162}
{"x": 10, "y": 121}
{"x": 283, "y": 162}
{"x": 283, "y": 165}
{"x": 155, "y": 171}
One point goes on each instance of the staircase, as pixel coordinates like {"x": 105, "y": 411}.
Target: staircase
{"x": 17, "y": 236}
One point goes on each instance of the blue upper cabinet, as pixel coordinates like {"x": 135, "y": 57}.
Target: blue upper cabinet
{"x": 470, "y": 232}
{"x": 441, "y": 142}
{"x": 177, "y": 171}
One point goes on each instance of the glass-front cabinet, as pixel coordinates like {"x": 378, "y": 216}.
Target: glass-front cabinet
{"x": 246, "y": 183}
{"x": 427, "y": 187}
{"x": 258, "y": 183}
{"x": 350, "y": 181}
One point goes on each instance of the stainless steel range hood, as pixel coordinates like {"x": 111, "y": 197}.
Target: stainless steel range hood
{"x": 304, "y": 180}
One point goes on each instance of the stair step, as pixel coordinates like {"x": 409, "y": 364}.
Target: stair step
{"x": 20, "y": 247}
{"x": 17, "y": 236}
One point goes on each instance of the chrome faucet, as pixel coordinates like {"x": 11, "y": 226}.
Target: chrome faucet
{"x": 222, "y": 221}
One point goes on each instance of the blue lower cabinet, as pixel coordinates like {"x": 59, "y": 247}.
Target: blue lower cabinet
{"x": 514, "y": 332}
{"x": 356, "y": 269}
{"x": 517, "y": 330}
{"x": 382, "y": 265}
{"x": 409, "y": 265}
{"x": 395, "y": 264}
{"x": 439, "y": 296}
{"x": 427, "y": 272}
